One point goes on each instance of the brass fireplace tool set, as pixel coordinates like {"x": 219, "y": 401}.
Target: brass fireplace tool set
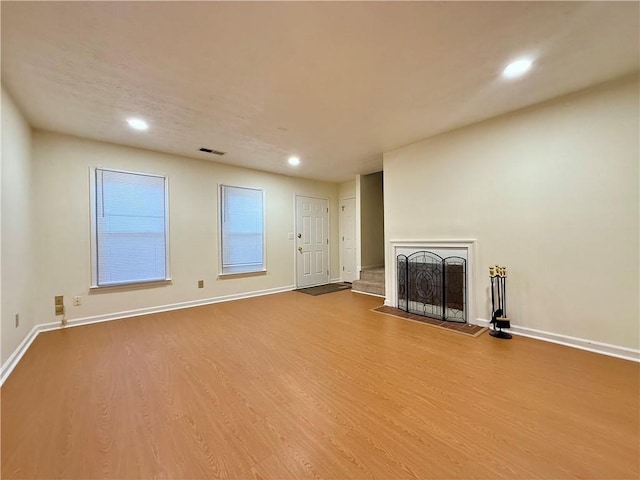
{"x": 499, "y": 320}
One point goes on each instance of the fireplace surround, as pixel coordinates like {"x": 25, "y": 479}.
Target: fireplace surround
{"x": 461, "y": 258}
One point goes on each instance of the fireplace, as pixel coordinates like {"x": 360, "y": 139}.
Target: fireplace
{"x": 443, "y": 248}
{"x": 431, "y": 285}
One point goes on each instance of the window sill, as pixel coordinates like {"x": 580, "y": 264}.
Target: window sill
{"x": 251, "y": 273}
{"x": 129, "y": 286}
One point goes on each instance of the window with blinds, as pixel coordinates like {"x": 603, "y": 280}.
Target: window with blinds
{"x": 241, "y": 229}
{"x": 130, "y": 228}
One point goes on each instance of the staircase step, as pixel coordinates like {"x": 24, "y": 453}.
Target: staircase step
{"x": 376, "y": 288}
{"x": 373, "y": 275}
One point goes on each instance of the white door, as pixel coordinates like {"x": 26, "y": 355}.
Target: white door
{"x": 312, "y": 241}
{"x": 348, "y": 239}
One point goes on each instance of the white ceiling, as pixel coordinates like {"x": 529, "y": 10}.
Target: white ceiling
{"x": 336, "y": 83}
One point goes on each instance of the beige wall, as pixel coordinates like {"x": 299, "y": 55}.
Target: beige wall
{"x": 62, "y": 199}
{"x": 371, "y": 204}
{"x": 16, "y": 224}
{"x": 552, "y": 193}
{"x": 347, "y": 189}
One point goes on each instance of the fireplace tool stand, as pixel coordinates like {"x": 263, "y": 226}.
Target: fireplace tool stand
{"x": 499, "y": 320}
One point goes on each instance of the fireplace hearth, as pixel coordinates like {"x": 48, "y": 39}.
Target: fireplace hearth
{"x": 433, "y": 286}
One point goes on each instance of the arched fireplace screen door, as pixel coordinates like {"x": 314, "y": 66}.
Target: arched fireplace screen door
{"x": 433, "y": 286}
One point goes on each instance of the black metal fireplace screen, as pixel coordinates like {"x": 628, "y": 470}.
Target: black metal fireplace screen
{"x": 433, "y": 286}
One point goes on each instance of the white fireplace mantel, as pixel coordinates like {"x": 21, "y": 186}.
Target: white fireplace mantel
{"x": 467, "y": 245}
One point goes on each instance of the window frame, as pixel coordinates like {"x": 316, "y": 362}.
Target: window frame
{"x": 93, "y": 206}
{"x": 221, "y": 272}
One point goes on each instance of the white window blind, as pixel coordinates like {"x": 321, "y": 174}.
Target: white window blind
{"x": 130, "y": 228}
{"x": 242, "y": 229}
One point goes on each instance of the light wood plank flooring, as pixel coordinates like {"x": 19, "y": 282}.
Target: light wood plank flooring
{"x": 296, "y": 386}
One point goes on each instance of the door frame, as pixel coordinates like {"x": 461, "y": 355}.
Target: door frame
{"x": 340, "y": 232}
{"x": 295, "y": 231}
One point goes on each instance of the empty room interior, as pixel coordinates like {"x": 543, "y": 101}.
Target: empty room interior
{"x": 320, "y": 240}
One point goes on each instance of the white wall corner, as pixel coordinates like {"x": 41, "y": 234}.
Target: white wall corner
{"x": 17, "y": 354}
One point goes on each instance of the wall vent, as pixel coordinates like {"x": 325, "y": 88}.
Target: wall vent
{"x": 208, "y": 150}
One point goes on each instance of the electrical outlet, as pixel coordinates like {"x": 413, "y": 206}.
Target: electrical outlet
{"x": 17, "y": 320}
{"x": 77, "y": 301}
{"x": 200, "y": 283}
{"x": 58, "y": 302}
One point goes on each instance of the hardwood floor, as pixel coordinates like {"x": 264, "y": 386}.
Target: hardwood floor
{"x": 296, "y": 386}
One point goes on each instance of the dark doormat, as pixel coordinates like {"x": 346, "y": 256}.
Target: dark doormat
{"x": 464, "y": 328}
{"x": 322, "y": 289}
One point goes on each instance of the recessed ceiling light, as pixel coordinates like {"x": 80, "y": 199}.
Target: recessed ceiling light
{"x": 294, "y": 161}
{"x": 517, "y": 68}
{"x": 138, "y": 124}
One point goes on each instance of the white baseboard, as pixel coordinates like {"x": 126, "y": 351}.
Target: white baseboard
{"x": 15, "y": 357}
{"x": 17, "y": 354}
{"x": 580, "y": 343}
{"x": 367, "y": 293}
{"x": 575, "y": 342}
{"x": 590, "y": 345}
{"x": 336, "y": 280}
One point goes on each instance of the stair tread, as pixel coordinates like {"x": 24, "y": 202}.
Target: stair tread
{"x": 367, "y": 282}
{"x": 371, "y": 281}
{"x": 376, "y": 274}
{"x": 367, "y": 286}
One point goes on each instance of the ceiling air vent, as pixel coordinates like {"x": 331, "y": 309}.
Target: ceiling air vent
{"x": 208, "y": 150}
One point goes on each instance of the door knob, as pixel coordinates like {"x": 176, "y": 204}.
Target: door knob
{"x": 300, "y": 249}
{"x": 299, "y": 235}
